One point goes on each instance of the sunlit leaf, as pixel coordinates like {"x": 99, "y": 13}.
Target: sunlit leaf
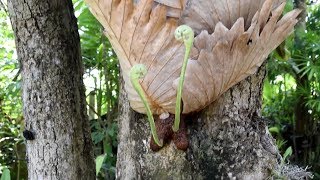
{"x": 274, "y": 130}
{"x": 5, "y": 174}
{"x": 287, "y": 154}
{"x": 99, "y": 162}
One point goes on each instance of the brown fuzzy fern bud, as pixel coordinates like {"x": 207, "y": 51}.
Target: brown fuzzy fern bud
{"x": 165, "y": 132}
{"x": 180, "y": 138}
{"x": 164, "y": 129}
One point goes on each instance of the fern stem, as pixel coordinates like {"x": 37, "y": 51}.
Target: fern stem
{"x": 183, "y": 33}
{"x": 137, "y": 72}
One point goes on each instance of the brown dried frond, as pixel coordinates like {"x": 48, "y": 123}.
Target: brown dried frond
{"x": 232, "y": 40}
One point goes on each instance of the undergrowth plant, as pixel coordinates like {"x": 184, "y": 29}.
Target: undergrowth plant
{"x": 292, "y": 80}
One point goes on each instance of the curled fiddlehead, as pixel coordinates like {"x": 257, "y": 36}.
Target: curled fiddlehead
{"x": 183, "y": 33}
{"x": 137, "y": 72}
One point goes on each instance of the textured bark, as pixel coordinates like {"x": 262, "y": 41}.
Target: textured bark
{"x": 227, "y": 140}
{"x": 53, "y": 96}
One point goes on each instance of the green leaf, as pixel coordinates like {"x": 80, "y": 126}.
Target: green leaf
{"x": 274, "y": 130}
{"x": 111, "y": 132}
{"x": 78, "y": 5}
{"x": 287, "y": 154}
{"x": 6, "y": 174}
{"x": 99, "y": 162}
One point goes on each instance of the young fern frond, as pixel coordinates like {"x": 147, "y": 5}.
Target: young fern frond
{"x": 137, "y": 72}
{"x": 183, "y": 33}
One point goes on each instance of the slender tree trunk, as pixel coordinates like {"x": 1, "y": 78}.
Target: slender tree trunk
{"x": 53, "y": 96}
{"x": 303, "y": 121}
{"x": 301, "y": 111}
{"x": 227, "y": 140}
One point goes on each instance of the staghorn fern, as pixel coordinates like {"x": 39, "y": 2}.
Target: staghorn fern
{"x": 232, "y": 39}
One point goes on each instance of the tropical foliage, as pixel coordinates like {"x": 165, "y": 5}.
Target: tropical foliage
{"x": 12, "y": 153}
{"x": 292, "y": 92}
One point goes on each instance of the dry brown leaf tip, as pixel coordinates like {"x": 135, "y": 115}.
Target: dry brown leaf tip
{"x": 232, "y": 40}
{"x": 227, "y": 56}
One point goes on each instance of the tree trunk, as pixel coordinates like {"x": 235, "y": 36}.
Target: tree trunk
{"x": 302, "y": 116}
{"x": 226, "y": 140}
{"x": 303, "y": 120}
{"x": 53, "y": 96}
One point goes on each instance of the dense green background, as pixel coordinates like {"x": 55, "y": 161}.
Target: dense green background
{"x": 283, "y": 90}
